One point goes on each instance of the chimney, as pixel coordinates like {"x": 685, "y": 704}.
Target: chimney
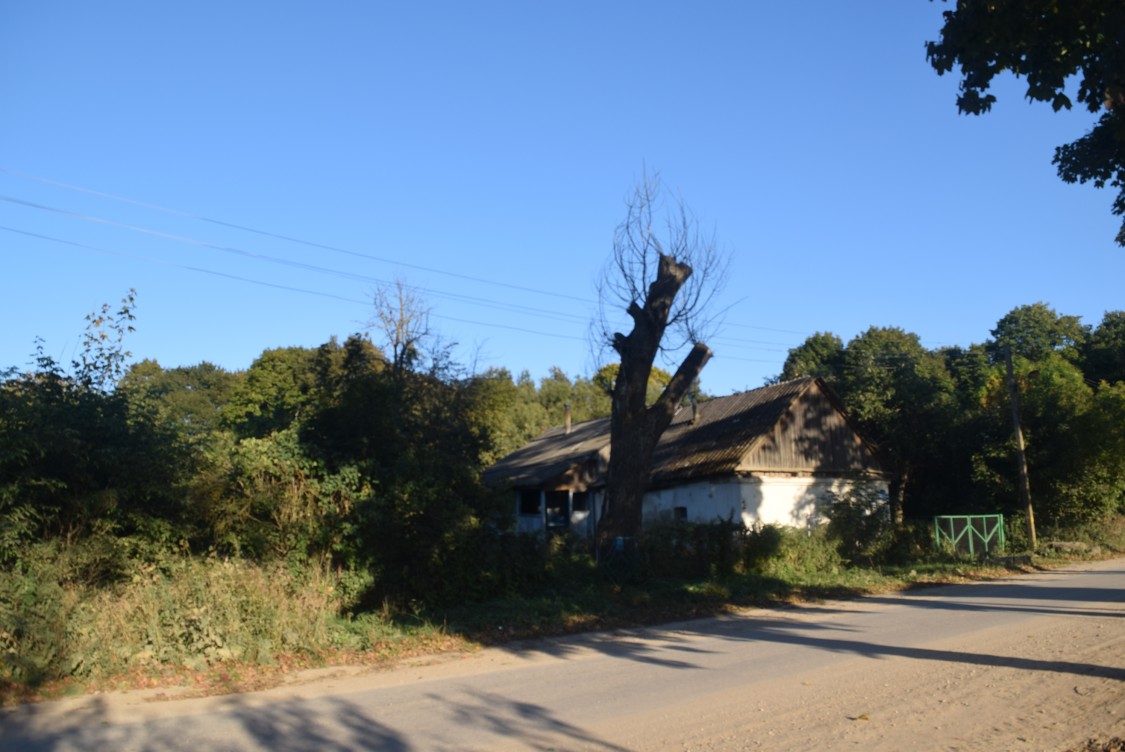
{"x": 567, "y": 405}
{"x": 694, "y": 410}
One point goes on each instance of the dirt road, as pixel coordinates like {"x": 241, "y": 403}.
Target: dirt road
{"x": 1035, "y": 662}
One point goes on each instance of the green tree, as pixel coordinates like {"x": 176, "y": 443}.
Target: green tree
{"x": 350, "y": 398}
{"x": 77, "y": 456}
{"x": 271, "y": 394}
{"x": 1033, "y": 331}
{"x": 508, "y": 411}
{"x": 901, "y": 396}
{"x": 1104, "y": 354}
{"x": 189, "y": 398}
{"x": 821, "y": 354}
{"x": 1071, "y": 449}
{"x": 606, "y": 377}
{"x": 1048, "y": 43}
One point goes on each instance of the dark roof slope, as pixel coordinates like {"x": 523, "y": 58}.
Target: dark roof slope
{"x": 725, "y": 430}
{"x": 551, "y": 454}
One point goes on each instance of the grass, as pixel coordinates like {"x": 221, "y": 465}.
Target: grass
{"x": 189, "y": 626}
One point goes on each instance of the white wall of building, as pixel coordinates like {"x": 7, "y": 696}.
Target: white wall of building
{"x": 796, "y": 501}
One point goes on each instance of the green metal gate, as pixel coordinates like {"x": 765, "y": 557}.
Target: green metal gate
{"x": 974, "y": 534}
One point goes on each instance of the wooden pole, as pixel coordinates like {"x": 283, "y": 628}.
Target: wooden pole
{"x": 1025, "y": 484}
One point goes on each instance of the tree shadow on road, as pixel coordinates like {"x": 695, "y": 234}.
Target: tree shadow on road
{"x": 284, "y": 726}
{"x": 672, "y": 645}
{"x": 461, "y": 720}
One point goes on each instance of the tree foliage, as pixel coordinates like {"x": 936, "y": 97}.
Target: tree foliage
{"x": 1103, "y": 356}
{"x": 941, "y": 418}
{"x": 819, "y": 355}
{"x": 1048, "y": 43}
{"x": 330, "y": 458}
{"x": 1034, "y": 331}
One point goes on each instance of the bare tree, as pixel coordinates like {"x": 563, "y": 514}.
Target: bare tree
{"x": 665, "y": 284}
{"x": 402, "y": 317}
{"x": 411, "y": 345}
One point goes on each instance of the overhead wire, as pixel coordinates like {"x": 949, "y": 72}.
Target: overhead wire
{"x": 275, "y": 285}
{"x": 336, "y": 249}
{"x": 292, "y": 239}
{"x": 750, "y": 344}
{"x": 507, "y": 306}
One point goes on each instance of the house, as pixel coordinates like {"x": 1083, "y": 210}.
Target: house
{"x": 770, "y": 455}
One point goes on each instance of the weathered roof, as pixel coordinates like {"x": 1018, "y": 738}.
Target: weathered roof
{"x": 724, "y": 432}
{"x": 551, "y": 454}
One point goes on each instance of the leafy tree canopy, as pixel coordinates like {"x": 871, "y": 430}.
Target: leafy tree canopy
{"x": 1033, "y": 331}
{"x": 1047, "y": 42}
{"x": 606, "y": 376}
{"x": 819, "y": 355}
{"x": 270, "y": 395}
{"x": 1104, "y": 356}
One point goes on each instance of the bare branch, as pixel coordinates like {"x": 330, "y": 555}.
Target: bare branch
{"x": 635, "y": 264}
{"x": 403, "y": 318}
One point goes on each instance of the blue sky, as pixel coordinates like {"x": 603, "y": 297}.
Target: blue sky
{"x": 255, "y": 170}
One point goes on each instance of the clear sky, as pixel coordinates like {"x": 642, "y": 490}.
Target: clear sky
{"x": 256, "y": 169}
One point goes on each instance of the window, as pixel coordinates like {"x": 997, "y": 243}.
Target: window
{"x": 529, "y": 502}
{"x": 679, "y": 514}
{"x": 580, "y": 501}
{"x": 558, "y": 516}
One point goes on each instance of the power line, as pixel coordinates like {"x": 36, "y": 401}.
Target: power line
{"x": 325, "y": 270}
{"x": 269, "y": 284}
{"x": 291, "y": 239}
{"x": 557, "y": 315}
{"x": 181, "y": 266}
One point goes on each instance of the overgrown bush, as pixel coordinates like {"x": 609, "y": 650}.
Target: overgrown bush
{"x": 179, "y": 611}
{"x": 1107, "y": 532}
{"x": 802, "y": 554}
{"x": 36, "y": 613}
{"x": 760, "y": 544}
{"x": 479, "y": 562}
{"x": 859, "y": 521}
{"x": 690, "y": 549}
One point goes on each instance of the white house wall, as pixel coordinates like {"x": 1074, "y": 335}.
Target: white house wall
{"x": 780, "y": 500}
{"x": 701, "y": 502}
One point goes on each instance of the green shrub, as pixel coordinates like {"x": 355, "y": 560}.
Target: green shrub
{"x": 178, "y": 611}
{"x": 860, "y": 523}
{"x": 690, "y": 549}
{"x": 760, "y": 543}
{"x": 802, "y": 554}
{"x": 36, "y": 613}
{"x": 1108, "y": 533}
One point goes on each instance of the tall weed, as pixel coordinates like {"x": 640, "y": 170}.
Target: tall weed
{"x": 803, "y": 554}
{"x": 179, "y": 611}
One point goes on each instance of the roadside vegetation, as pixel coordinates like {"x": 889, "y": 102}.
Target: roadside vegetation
{"x": 216, "y": 530}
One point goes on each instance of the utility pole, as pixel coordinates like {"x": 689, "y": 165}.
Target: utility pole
{"x": 1025, "y": 484}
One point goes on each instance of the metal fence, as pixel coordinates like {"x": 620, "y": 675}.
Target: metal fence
{"x": 972, "y": 534}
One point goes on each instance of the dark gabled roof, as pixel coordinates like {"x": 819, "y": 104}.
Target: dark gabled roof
{"x": 725, "y": 431}
{"x": 551, "y": 454}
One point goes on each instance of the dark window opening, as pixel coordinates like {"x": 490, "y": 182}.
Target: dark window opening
{"x": 679, "y": 513}
{"x": 580, "y": 501}
{"x": 529, "y": 502}
{"x": 558, "y": 515}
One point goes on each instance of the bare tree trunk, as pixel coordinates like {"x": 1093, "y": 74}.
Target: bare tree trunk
{"x": 636, "y": 428}
{"x": 665, "y": 287}
{"x": 897, "y": 494}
